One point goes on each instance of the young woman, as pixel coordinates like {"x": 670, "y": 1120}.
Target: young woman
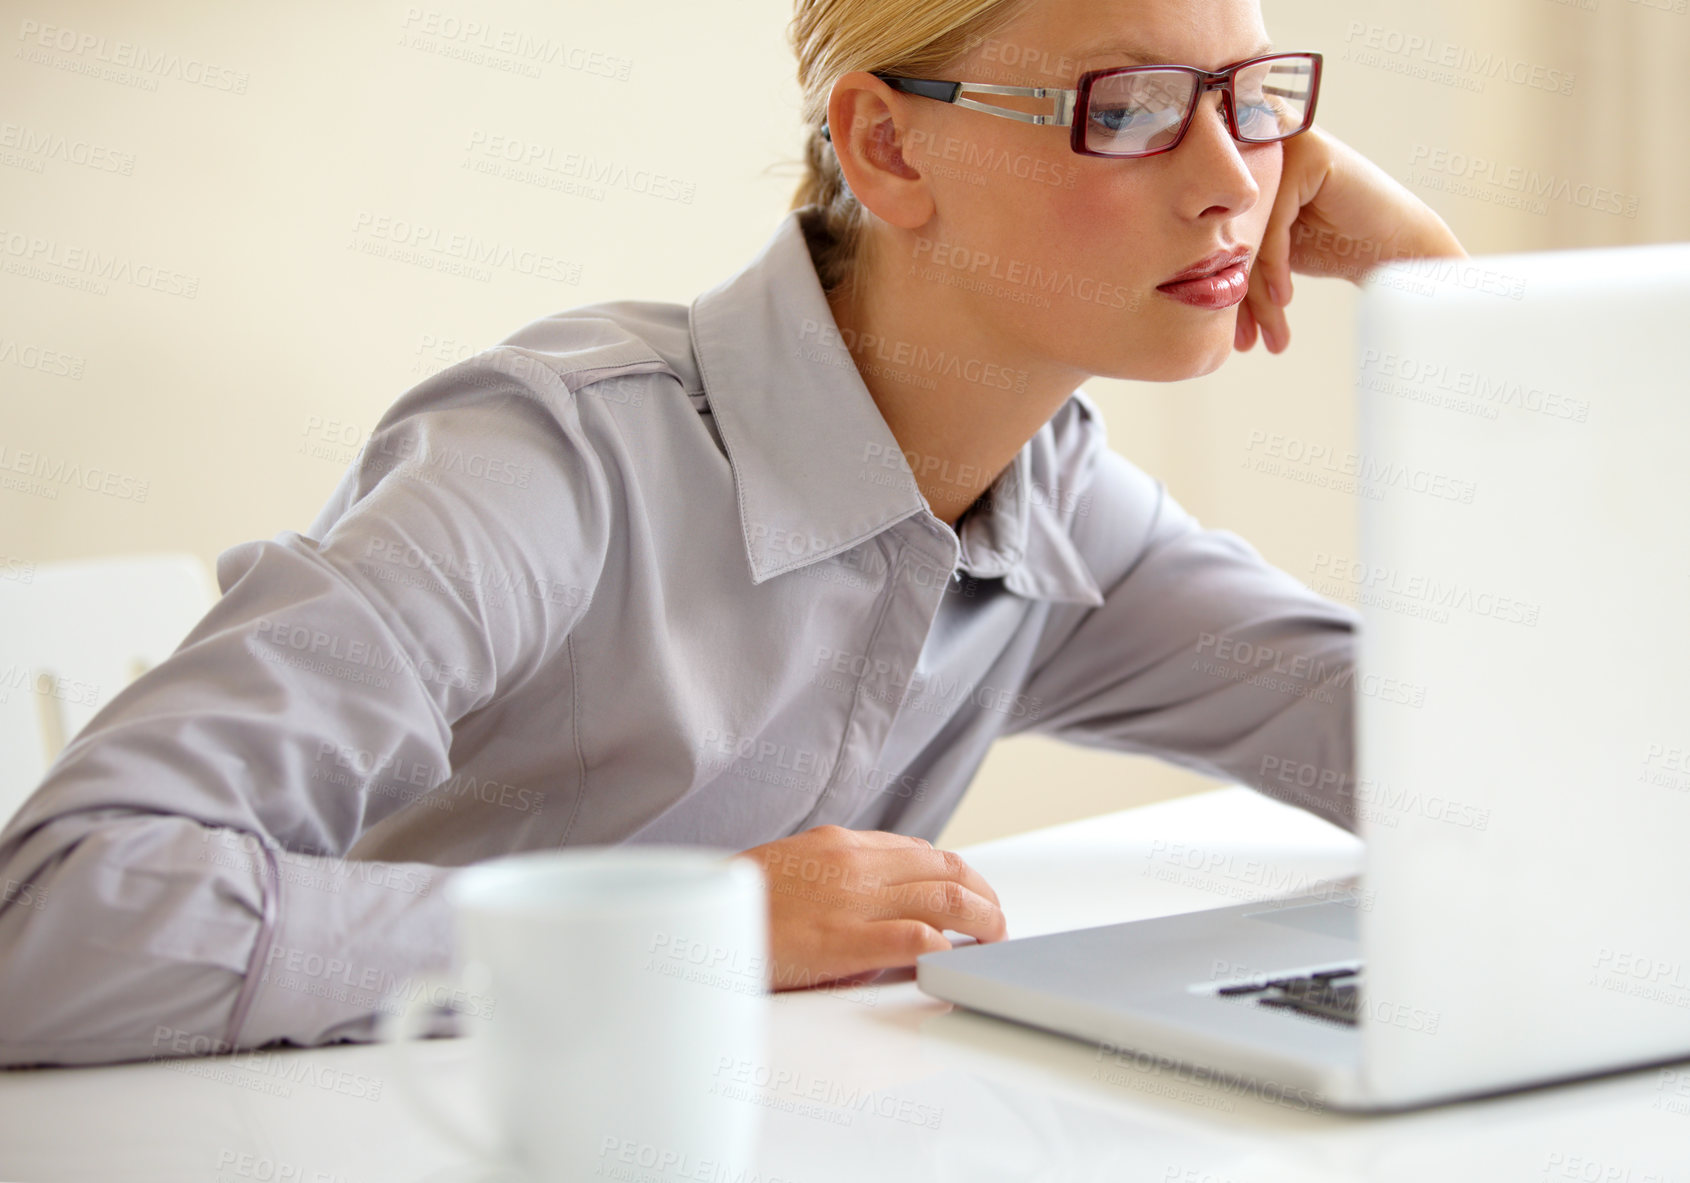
{"x": 768, "y": 573}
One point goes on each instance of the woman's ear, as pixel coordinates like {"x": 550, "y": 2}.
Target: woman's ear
{"x": 869, "y": 125}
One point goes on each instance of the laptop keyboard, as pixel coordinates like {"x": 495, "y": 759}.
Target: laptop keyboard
{"x": 1331, "y": 994}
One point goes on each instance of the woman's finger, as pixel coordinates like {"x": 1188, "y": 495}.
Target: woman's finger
{"x": 1244, "y": 332}
{"x": 1307, "y": 159}
{"x": 890, "y": 944}
{"x": 947, "y": 904}
{"x": 1276, "y": 331}
{"x": 891, "y": 867}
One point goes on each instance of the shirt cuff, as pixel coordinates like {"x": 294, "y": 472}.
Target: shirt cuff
{"x": 350, "y": 941}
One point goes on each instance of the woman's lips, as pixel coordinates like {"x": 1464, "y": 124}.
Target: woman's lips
{"x": 1223, "y": 289}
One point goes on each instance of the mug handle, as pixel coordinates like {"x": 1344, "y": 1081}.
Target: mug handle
{"x": 399, "y": 1030}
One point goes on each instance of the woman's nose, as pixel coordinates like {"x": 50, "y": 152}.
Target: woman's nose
{"x": 1220, "y": 176}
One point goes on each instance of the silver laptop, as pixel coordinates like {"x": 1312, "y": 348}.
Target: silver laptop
{"x": 1523, "y": 916}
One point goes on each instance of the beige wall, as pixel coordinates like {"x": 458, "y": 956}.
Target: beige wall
{"x": 244, "y": 180}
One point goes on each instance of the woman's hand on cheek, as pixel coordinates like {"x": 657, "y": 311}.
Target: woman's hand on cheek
{"x": 1336, "y": 213}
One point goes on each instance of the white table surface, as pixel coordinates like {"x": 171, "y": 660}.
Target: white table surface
{"x": 1008, "y": 1102}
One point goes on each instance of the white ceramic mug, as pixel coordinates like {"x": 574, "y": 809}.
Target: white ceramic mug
{"x": 603, "y": 988}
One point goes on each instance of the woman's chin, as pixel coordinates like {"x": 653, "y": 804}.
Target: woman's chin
{"x": 1175, "y": 361}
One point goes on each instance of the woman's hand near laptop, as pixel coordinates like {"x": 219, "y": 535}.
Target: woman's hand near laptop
{"x": 846, "y": 904}
{"x": 1336, "y": 213}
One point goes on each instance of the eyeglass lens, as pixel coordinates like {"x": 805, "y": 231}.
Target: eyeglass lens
{"x": 1143, "y": 110}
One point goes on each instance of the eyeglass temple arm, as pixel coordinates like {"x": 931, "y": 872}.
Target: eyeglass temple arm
{"x": 951, "y": 92}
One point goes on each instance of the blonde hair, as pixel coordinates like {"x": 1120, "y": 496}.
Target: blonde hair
{"x": 833, "y": 37}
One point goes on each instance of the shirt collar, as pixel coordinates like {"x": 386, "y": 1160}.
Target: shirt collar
{"x": 816, "y": 467}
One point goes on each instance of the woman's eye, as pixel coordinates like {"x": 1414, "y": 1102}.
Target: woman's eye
{"x": 1114, "y": 118}
{"x": 1257, "y": 119}
{"x": 1119, "y": 119}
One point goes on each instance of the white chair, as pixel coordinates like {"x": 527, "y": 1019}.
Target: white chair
{"x": 72, "y": 635}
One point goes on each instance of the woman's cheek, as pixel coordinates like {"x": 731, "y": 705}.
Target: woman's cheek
{"x": 1109, "y": 224}
{"x": 1267, "y": 165}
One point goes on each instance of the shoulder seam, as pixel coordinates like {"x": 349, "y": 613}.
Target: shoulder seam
{"x": 595, "y": 364}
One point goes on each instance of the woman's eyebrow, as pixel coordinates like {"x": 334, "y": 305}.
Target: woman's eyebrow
{"x": 1139, "y": 55}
